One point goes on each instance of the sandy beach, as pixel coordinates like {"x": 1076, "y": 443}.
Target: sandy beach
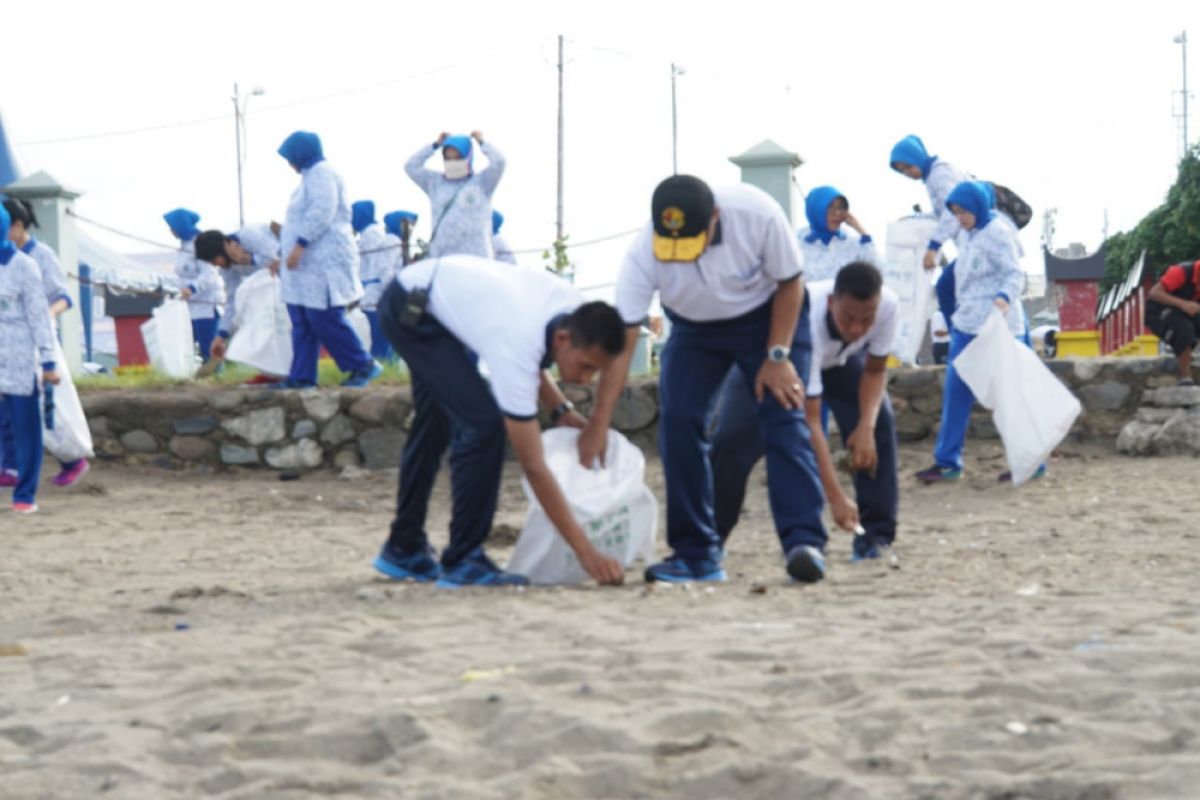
{"x": 191, "y": 635}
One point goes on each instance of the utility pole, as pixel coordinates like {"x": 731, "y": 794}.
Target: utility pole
{"x": 239, "y": 128}
{"x": 676, "y": 71}
{"x": 237, "y": 134}
{"x": 559, "y": 225}
{"x": 1181, "y": 39}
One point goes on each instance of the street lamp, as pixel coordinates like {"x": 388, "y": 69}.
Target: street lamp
{"x": 676, "y": 71}
{"x": 239, "y": 131}
{"x": 1181, "y": 39}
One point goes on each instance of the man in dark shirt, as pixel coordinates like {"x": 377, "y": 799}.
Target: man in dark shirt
{"x": 1173, "y": 313}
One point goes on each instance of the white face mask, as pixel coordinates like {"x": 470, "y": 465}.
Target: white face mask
{"x": 457, "y": 168}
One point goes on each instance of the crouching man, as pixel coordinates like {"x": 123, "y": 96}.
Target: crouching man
{"x": 520, "y": 323}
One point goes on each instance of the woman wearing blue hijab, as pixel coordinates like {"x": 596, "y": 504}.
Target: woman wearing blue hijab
{"x": 460, "y": 198}
{"x": 824, "y": 244}
{"x": 320, "y": 275}
{"x": 988, "y": 275}
{"x": 377, "y": 258}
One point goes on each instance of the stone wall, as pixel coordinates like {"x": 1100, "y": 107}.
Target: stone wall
{"x": 289, "y": 430}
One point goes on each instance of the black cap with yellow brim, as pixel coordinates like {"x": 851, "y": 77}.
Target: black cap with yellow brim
{"x": 681, "y": 210}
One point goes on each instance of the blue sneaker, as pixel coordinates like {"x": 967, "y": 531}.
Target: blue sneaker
{"x": 806, "y": 564}
{"x": 420, "y": 567}
{"x": 678, "y": 570}
{"x": 478, "y": 570}
{"x": 877, "y": 550}
{"x": 1006, "y": 476}
{"x": 362, "y": 377}
{"x": 938, "y": 474}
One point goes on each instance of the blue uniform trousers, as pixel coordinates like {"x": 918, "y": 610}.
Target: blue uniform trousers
{"x": 380, "y": 348}
{"x": 453, "y": 408}
{"x": 26, "y": 420}
{"x": 695, "y": 362}
{"x": 313, "y": 328}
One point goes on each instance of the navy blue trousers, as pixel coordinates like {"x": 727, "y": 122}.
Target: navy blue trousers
{"x": 25, "y": 418}
{"x": 945, "y": 291}
{"x": 380, "y": 348}
{"x": 695, "y": 361}
{"x": 453, "y": 408}
{"x": 737, "y": 448}
{"x": 8, "y": 453}
{"x": 204, "y": 331}
{"x": 313, "y": 328}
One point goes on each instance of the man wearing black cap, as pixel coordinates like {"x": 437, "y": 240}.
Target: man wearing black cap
{"x": 727, "y": 271}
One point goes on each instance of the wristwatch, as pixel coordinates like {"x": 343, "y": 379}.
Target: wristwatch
{"x": 565, "y": 407}
{"x": 778, "y": 353}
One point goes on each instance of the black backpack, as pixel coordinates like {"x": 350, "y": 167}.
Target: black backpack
{"x": 1011, "y": 204}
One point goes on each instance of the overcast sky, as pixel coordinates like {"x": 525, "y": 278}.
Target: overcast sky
{"x": 1069, "y": 105}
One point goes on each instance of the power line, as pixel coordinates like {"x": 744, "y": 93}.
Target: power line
{"x": 264, "y": 109}
{"x": 175, "y": 248}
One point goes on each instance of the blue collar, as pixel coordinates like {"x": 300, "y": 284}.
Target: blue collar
{"x": 27, "y": 248}
{"x": 7, "y": 251}
{"x": 825, "y": 236}
{"x": 552, "y": 327}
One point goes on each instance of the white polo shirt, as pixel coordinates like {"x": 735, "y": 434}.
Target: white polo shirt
{"x": 828, "y": 350}
{"x": 501, "y": 313}
{"x": 740, "y": 271}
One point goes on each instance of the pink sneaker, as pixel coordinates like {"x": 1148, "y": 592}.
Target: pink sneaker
{"x": 8, "y": 479}
{"x": 25, "y": 508}
{"x": 71, "y": 473}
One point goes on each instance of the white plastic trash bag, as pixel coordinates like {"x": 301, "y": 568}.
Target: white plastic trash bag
{"x": 362, "y": 327}
{"x": 168, "y": 339}
{"x": 67, "y": 435}
{"x": 613, "y": 505}
{"x": 1031, "y": 408}
{"x": 907, "y": 241}
{"x": 262, "y": 335}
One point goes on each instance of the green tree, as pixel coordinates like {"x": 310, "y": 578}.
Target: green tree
{"x": 1169, "y": 234}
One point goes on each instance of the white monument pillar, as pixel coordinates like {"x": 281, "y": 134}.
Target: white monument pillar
{"x": 769, "y": 167}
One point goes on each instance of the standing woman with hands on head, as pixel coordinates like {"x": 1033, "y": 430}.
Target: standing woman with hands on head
{"x": 460, "y": 198}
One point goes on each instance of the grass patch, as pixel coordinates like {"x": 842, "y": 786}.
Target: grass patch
{"x": 232, "y": 375}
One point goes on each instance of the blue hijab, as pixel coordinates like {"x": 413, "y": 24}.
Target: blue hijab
{"x": 392, "y": 220}
{"x": 816, "y": 208}
{"x": 183, "y": 224}
{"x": 463, "y": 145}
{"x": 7, "y": 248}
{"x": 497, "y": 221}
{"x": 911, "y": 150}
{"x": 302, "y": 149}
{"x": 976, "y": 197}
{"x": 362, "y": 214}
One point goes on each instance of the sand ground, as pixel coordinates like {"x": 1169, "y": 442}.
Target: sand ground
{"x": 185, "y": 635}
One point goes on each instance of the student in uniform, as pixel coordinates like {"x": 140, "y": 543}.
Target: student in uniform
{"x": 824, "y": 244}
{"x": 377, "y": 267}
{"x": 1173, "y": 313}
{"x": 521, "y": 322}
{"x": 54, "y": 283}
{"x": 460, "y": 198}
{"x": 253, "y": 247}
{"x": 987, "y": 275}
{"x": 727, "y": 269}
{"x": 201, "y": 286}
{"x": 499, "y": 244}
{"x": 27, "y": 344}
{"x": 852, "y": 320}
{"x": 320, "y": 274}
